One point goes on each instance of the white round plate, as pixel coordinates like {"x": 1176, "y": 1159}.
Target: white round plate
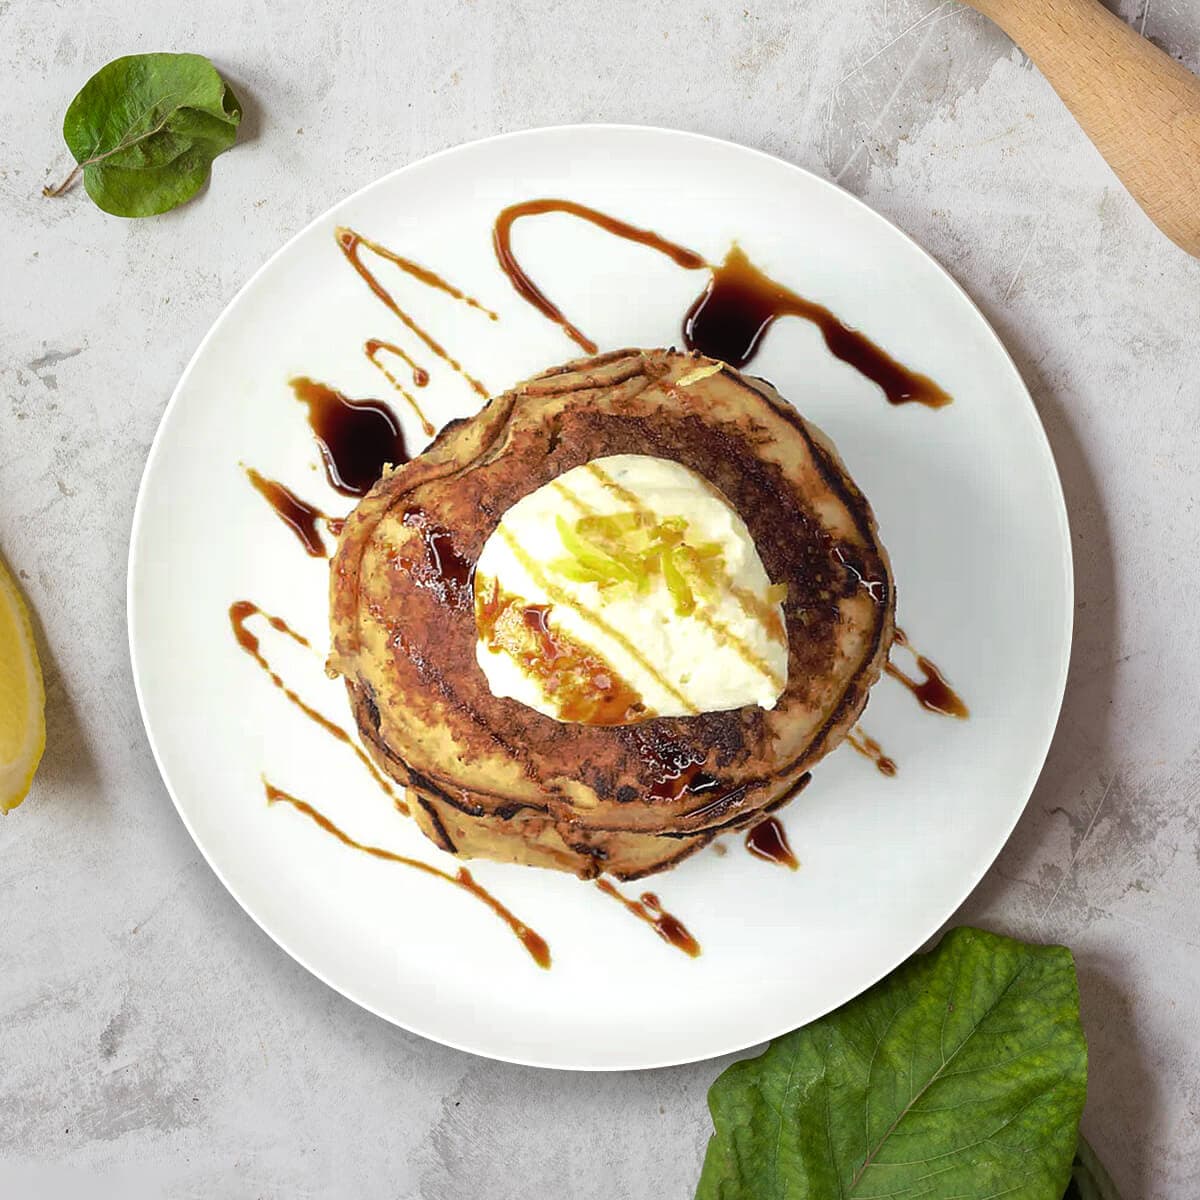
{"x": 969, "y": 506}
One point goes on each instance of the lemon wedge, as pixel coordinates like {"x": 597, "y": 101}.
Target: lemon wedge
{"x": 22, "y": 697}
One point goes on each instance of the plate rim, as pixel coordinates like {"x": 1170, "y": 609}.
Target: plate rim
{"x": 1061, "y": 516}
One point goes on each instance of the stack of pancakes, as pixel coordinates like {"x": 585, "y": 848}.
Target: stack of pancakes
{"x": 492, "y": 778}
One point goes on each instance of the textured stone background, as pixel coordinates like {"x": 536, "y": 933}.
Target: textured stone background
{"x": 152, "y": 1040}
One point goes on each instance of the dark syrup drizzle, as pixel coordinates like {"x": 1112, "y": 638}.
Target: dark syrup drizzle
{"x": 240, "y": 612}
{"x": 677, "y": 771}
{"x": 536, "y": 618}
{"x": 868, "y": 747}
{"x": 533, "y": 942}
{"x": 298, "y": 515}
{"x": 447, "y": 561}
{"x": 728, "y": 319}
{"x": 933, "y": 692}
{"x": 688, "y": 778}
{"x": 357, "y": 438}
{"x": 673, "y": 768}
{"x": 442, "y": 569}
{"x": 352, "y": 244}
{"x": 649, "y": 909}
{"x": 768, "y": 841}
{"x": 373, "y": 348}
{"x": 740, "y": 303}
{"x": 528, "y": 290}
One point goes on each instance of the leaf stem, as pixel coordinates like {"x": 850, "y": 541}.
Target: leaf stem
{"x": 66, "y": 183}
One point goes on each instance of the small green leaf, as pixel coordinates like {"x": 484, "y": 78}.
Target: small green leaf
{"x": 962, "y": 1074}
{"x": 145, "y": 130}
{"x": 1089, "y": 1179}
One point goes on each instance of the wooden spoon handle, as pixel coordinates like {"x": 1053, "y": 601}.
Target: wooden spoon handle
{"x": 1139, "y": 106}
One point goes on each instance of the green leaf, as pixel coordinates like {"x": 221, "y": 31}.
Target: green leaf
{"x": 961, "y": 1075}
{"x": 1089, "y": 1179}
{"x": 145, "y": 130}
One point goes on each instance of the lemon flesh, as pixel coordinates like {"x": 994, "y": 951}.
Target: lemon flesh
{"x": 22, "y": 697}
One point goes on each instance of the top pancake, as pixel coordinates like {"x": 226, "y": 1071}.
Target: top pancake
{"x": 403, "y": 620}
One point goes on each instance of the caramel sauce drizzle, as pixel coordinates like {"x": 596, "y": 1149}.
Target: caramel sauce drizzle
{"x": 351, "y": 244}
{"x": 298, "y": 515}
{"x": 585, "y": 687}
{"x": 768, "y": 841}
{"x": 728, "y": 319}
{"x": 372, "y": 349}
{"x": 528, "y": 290}
{"x": 240, "y": 612}
{"x": 560, "y": 597}
{"x": 868, "y": 747}
{"x": 749, "y": 603}
{"x": 649, "y": 909}
{"x": 933, "y": 692}
{"x": 533, "y": 942}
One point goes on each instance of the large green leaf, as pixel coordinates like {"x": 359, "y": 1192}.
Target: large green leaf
{"x": 145, "y": 130}
{"x": 961, "y": 1075}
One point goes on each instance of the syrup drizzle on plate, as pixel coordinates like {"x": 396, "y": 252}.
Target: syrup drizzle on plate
{"x": 528, "y": 290}
{"x": 352, "y": 245}
{"x": 374, "y": 348}
{"x": 533, "y": 942}
{"x": 768, "y": 841}
{"x": 868, "y": 747}
{"x": 298, "y": 515}
{"x": 729, "y": 318}
{"x": 933, "y": 691}
{"x": 240, "y": 613}
{"x": 648, "y": 908}
{"x": 357, "y": 438}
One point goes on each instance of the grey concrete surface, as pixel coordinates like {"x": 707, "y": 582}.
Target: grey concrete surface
{"x": 152, "y": 1040}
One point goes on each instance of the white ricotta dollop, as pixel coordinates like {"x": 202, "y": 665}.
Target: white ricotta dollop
{"x": 726, "y": 649}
